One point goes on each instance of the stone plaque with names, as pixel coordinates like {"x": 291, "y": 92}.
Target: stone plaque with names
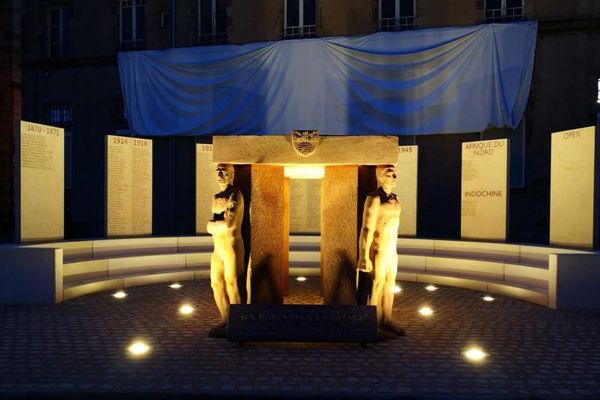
{"x": 302, "y": 323}
{"x": 206, "y": 185}
{"x": 406, "y": 189}
{"x": 484, "y": 190}
{"x": 572, "y": 188}
{"x": 40, "y": 183}
{"x": 305, "y": 206}
{"x": 128, "y": 186}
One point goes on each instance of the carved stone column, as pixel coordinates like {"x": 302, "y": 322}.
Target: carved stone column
{"x": 269, "y": 250}
{"x": 339, "y": 238}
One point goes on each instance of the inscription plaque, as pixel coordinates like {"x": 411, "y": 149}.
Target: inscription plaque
{"x": 302, "y": 323}
{"x": 128, "y": 186}
{"x": 484, "y": 190}
{"x": 406, "y": 189}
{"x": 573, "y": 188}
{"x": 40, "y": 182}
{"x": 305, "y": 206}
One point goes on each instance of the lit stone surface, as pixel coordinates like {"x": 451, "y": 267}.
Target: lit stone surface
{"x": 305, "y": 206}
{"x": 269, "y": 224}
{"x": 128, "y": 186}
{"x": 339, "y": 234}
{"x": 277, "y": 149}
{"x": 40, "y": 187}
{"x": 484, "y": 190}
{"x": 77, "y": 290}
{"x": 406, "y": 188}
{"x": 572, "y": 187}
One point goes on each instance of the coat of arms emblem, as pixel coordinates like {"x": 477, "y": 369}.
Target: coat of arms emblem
{"x": 305, "y": 142}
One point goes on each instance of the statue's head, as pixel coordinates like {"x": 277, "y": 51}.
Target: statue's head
{"x": 225, "y": 174}
{"x": 386, "y": 175}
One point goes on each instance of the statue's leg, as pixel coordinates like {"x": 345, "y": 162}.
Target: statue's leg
{"x": 241, "y": 271}
{"x": 230, "y": 262}
{"x": 217, "y": 282}
{"x": 249, "y": 282}
{"x": 391, "y": 268}
{"x": 388, "y": 296}
{"x": 378, "y": 286}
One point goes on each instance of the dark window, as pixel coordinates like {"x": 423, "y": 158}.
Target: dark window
{"x": 132, "y": 24}
{"x": 213, "y": 22}
{"x": 407, "y": 8}
{"x": 59, "y": 32}
{"x": 293, "y": 13}
{"x": 504, "y": 10}
{"x": 388, "y": 8}
{"x": 396, "y": 15}
{"x": 164, "y": 20}
{"x": 300, "y": 19}
{"x": 310, "y": 13}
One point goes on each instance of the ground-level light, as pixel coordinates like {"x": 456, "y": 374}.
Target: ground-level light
{"x": 426, "y": 311}
{"x": 475, "y": 354}
{"x": 138, "y": 348}
{"x": 186, "y": 309}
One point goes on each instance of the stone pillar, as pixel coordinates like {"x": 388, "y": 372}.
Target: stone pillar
{"x": 242, "y": 181}
{"x": 269, "y": 249}
{"x": 339, "y": 240}
{"x": 367, "y": 183}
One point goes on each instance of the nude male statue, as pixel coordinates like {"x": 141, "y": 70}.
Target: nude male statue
{"x": 377, "y": 247}
{"x": 227, "y": 262}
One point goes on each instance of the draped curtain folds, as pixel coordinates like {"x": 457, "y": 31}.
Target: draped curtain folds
{"x": 446, "y": 80}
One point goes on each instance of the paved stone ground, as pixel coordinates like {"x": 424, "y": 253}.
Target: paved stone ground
{"x": 77, "y": 350}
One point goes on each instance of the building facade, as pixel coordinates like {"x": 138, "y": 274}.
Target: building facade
{"x": 10, "y": 108}
{"x": 70, "y": 78}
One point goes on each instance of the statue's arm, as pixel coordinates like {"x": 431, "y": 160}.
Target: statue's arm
{"x": 212, "y": 226}
{"x": 232, "y": 216}
{"x": 367, "y": 233}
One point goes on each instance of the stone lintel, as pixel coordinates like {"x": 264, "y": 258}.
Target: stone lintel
{"x": 332, "y": 150}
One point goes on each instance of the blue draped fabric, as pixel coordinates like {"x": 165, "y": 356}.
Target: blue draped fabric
{"x": 445, "y": 80}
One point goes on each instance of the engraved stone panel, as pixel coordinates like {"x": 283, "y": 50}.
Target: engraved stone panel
{"x": 305, "y": 206}
{"x": 484, "y": 190}
{"x": 306, "y": 323}
{"x": 572, "y": 187}
{"x": 40, "y": 182}
{"x": 128, "y": 186}
{"x": 406, "y": 189}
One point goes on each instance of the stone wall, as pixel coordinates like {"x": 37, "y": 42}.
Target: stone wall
{"x": 10, "y": 108}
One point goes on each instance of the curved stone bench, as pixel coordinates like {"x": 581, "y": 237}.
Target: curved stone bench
{"x": 549, "y": 276}
{"x": 54, "y": 272}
